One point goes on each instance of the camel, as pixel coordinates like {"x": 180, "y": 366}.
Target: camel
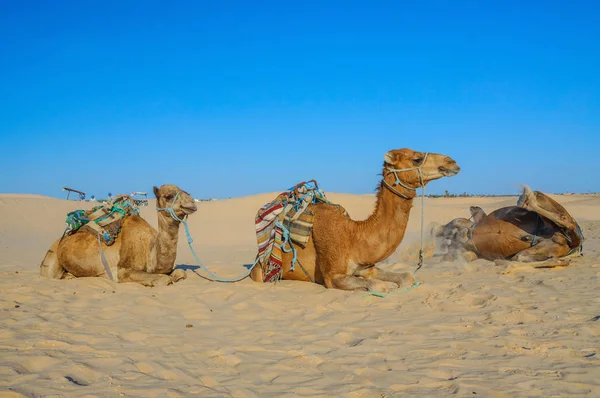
{"x": 537, "y": 229}
{"x": 454, "y": 236}
{"x": 342, "y": 253}
{"x": 140, "y": 253}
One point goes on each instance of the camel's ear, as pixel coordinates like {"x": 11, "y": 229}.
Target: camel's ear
{"x": 156, "y": 192}
{"x": 389, "y": 157}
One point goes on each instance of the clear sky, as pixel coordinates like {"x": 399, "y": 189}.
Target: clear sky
{"x": 229, "y": 98}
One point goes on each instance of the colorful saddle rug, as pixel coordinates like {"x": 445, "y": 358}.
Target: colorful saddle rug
{"x": 103, "y": 221}
{"x": 285, "y": 219}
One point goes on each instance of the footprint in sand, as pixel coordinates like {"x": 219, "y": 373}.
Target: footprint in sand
{"x": 134, "y": 336}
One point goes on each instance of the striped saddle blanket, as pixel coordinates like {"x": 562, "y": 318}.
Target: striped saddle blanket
{"x": 103, "y": 221}
{"x": 284, "y": 221}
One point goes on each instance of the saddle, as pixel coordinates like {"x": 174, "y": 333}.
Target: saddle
{"x": 104, "y": 221}
{"x": 286, "y": 220}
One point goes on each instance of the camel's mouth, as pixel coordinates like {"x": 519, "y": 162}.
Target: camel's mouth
{"x": 448, "y": 172}
{"x": 189, "y": 209}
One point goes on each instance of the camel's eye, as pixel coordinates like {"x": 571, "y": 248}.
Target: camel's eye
{"x": 417, "y": 160}
{"x": 169, "y": 197}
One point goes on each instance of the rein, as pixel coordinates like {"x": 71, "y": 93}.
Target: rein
{"x": 398, "y": 181}
{"x": 183, "y": 220}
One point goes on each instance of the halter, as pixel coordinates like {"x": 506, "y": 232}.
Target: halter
{"x": 399, "y": 181}
{"x": 171, "y": 211}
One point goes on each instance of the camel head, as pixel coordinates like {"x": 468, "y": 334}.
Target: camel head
{"x": 169, "y": 195}
{"x": 477, "y": 213}
{"x": 406, "y": 163}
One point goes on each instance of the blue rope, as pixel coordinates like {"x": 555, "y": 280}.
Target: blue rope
{"x": 215, "y": 277}
{"x": 286, "y": 240}
{"x": 421, "y": 255}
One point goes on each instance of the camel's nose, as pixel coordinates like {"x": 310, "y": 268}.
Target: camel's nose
{"x": 190, "y": 207}
{"x": 451, "y": 164}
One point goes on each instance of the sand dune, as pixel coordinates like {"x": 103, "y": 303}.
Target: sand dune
{"x": 469, "y": 330}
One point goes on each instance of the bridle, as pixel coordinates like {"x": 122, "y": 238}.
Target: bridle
{"x": 171, "y": 211}
{"x": 398, "y": 181}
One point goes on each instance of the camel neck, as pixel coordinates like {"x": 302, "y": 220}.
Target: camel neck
{"x": 381, "y": 234}
{"x": 165, "y": 248}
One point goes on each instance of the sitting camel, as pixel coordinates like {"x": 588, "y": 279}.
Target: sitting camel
{"x": 537, "y": 229}
{"x": 140, "y": 253}
{"x": 341, "y": 253}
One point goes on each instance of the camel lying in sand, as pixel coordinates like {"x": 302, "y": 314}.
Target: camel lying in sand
{"x": 536, "y": 230}
{"x": 140, "y": 254}
{"x": 341, "y": 253}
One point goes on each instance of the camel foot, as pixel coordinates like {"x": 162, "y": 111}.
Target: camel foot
{"x": 400, "y": 279}
{"x": 177, "y": 275}
{"x": 383, "y": 287}
{"x": 469, "y": 256}
{"x": 68, "y": 275}
{"x": 159, "y": 280}
{"x": 406, "y": 279}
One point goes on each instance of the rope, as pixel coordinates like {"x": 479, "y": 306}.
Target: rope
{"x": 421, "y": 251}
{"x": 215, "y": 277}
{"x": 105, "y": 263}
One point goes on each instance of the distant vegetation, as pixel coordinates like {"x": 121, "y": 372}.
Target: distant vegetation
{"x": 468, "y": 195}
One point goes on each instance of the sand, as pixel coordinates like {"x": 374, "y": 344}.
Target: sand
{"x": 469, "y": 329}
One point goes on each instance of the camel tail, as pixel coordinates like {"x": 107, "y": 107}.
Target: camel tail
{"x": 50, "y": 268}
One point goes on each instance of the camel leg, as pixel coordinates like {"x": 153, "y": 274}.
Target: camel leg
{"x": 402, "y": 279}
{"x": 469, "y": 256}
{"x": 257, "y": 274}
{"x": 50, "y": 267}
{"x": 354, "y": 283}
{"x": 177, "y": 275}
{"x": 144, "y": 278}
{"x": 544, "y": 250}
{"x": 511, "y": 266}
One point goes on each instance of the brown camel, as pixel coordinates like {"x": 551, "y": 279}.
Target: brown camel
{"x": 342, "y": 253}
{"x": 140, "y": 254}
{"x": 536, "y": 230}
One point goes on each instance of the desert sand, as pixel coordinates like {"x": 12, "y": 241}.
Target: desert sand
{"x": 469, "y": 329}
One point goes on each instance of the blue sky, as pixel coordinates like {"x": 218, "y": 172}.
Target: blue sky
{"x": 237, "y": 98}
